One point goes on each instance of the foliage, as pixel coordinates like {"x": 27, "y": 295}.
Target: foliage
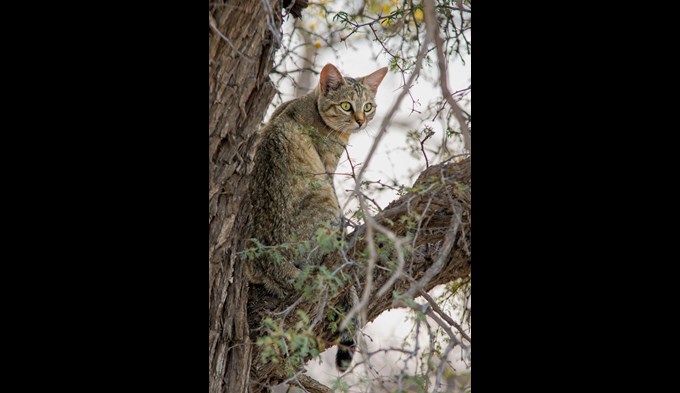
{"x": 289, "y": 346}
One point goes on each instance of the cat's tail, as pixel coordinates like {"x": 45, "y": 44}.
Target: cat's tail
{"x": 343, "y": 359}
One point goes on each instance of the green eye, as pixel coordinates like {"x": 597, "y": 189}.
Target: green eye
{"x": 368, "y": 107}
{"x": 346, "y": 106}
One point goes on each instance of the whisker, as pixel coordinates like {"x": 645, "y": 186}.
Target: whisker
{"x": 366, "y": 129}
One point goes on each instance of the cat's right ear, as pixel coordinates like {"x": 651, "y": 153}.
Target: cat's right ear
{"x": 330, "y": 78}
{"x": 373, "y": 80}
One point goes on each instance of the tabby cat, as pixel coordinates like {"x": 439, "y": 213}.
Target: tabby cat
{"x": 292, "y": 189}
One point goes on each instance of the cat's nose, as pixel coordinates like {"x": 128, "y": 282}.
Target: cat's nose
{"x": 360, "y": 121}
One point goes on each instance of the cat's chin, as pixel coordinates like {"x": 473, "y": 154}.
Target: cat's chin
{"x": 354, "y": 130}
{"x": 347, "y": 129}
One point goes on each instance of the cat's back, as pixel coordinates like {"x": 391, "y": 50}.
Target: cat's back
{"x": 287, "y": 169}
{"x": 287, "y": 140}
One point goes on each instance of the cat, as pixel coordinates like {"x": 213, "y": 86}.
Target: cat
{"x": 292, "y": 189}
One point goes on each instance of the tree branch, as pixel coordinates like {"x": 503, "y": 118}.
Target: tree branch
{"x": 440, "y": 200}
{"x": 311, "y": 385}
{"x": 431, "y": 197}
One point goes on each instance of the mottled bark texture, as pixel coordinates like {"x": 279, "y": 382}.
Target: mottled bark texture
{"x": 243, "y": 36}
{"x": 243, "y": 39}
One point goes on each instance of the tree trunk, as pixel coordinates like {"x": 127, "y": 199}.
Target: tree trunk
{"x": 242, "y": 45}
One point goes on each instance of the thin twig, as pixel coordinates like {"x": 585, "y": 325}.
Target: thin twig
{"x": 444, "y": 315}
{"x": 433, "y": 32}
{"x": 436, "y": 267}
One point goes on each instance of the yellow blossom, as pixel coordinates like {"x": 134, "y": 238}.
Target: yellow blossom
{"x": 317, "y": 44}
{"x": 386, "y": 9}
{"x": 418, "y": 14}
{"x": 312, "y": 26}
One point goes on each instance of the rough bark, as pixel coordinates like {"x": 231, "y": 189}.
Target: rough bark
{"x": 242, "y": 45}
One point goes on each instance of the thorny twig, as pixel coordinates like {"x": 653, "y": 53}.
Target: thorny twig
{"x": 433, "y": 32}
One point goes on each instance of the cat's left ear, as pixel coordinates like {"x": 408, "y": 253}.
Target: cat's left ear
{"x": 373, "y": 80}
{"x": 330, "y": 78}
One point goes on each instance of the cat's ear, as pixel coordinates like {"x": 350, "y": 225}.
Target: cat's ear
{"x": 330, "y": 78}
{"x": 373, "y": 80}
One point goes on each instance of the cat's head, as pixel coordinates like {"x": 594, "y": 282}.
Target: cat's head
{"x": 347, "y": 104}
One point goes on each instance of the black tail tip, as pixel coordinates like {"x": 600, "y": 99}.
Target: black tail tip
{"x": 343, "y": 359}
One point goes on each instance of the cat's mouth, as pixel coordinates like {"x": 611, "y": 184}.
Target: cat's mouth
{"x": 351, "y": 128}
{"x": 354, "y": 128}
